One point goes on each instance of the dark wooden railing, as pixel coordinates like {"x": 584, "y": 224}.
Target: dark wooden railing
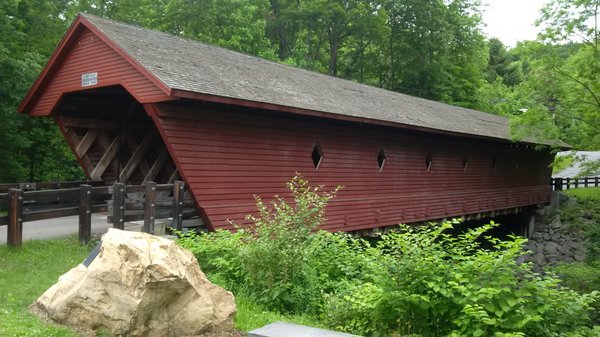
{"x": 22, "y": 202}
{"x": 560, "y": 184}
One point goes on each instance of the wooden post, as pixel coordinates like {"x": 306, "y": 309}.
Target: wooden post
{"x": 119, "y": 206}
{"x": 568, "y": 183}
{"x": 149, "y": 207}
{"x": 85, "y": 213}
{"x": 178, "y": 205}
{"x": 15, "y": 218}
{"x": 596, "y": 182}
{"x": 576, "y": 182}
{"x": 558, "y": 184}
{"x": 585, "y": 182}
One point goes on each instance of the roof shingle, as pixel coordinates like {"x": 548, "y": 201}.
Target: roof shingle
{"x": 200, "y": 68}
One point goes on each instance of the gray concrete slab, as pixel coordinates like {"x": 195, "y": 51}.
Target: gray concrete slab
{"x": 281, "y": 329}
{"x": 58, "y": 227}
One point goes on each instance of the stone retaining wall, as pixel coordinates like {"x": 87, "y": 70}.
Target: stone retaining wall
{"x": 552, "y": 241}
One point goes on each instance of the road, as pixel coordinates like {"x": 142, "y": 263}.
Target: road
{"x": 58, "y": 227}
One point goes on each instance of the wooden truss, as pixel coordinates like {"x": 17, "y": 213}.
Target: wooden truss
{"x": 113, "y": 151}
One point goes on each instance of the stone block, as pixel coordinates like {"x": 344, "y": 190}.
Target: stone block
{"x": 280, "y": 329}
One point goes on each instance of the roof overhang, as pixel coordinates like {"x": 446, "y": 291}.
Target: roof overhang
{"x": 353, "y": 119}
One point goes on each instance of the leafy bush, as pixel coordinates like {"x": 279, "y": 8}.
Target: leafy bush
{"x": 219, "y": 255}
{"x": 585, "y": 216}
{"x": 416, "y": 280}
{"x": 269, "y": 259}
{"x": 583, "y": 278}
{"x": 435, "y": 284}
{"x": 275, "y": 258}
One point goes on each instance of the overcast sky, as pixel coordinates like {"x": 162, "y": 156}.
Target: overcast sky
{"x": 512, "y": 20}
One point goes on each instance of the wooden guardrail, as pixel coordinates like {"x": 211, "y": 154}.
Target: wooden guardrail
{"x": 560, "y": 184}
{"x": 147, "y": 202}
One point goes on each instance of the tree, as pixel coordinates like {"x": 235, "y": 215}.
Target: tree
{"x": 31, "y": 149}
{"x": 436, "y": 49}
{"x": 502, "y": 64}
{"x": 576, "y": 104}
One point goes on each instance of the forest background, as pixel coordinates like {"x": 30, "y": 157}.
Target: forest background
{"x": 435, "y": 49}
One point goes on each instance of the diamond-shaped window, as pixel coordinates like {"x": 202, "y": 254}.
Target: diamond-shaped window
{"x": 381, "y": 157}
{"x": 317, "y": 156}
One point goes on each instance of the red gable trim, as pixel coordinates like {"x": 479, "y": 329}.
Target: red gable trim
{"x": 62, "y": 50}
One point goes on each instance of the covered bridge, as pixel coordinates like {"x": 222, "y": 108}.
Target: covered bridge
{"x": 138, "y": 105}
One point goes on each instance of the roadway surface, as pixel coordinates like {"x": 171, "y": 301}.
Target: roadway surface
{"x": 58, "y": 227}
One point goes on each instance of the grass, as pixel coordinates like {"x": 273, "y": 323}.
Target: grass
{"x": 25, "y": 274}
{"x": 590, "y": 193}
{"x": 251, "y": 316}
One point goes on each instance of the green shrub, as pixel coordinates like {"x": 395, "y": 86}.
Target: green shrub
{"x": 435, "y": 284}
{"x": 583, "y": 278}
{"x": 413, "y": 281}
{"x": 585, "y": 216}
{"x": 269, "y": 259}
{"x": 276, "y": 258}
{"x": 219, "y": 255}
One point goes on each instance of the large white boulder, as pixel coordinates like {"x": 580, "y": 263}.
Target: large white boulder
{"x": 139, "y": 285}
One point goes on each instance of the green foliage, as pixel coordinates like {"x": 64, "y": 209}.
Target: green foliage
{"x": 562, "y": 162}
{"x": 32, "y": 150}
{"x": 269, "y": 258}
{"x": 25, "y": 274}
{"x": 219, "y": 255}
{"x": 585, "y": 216}
{"x": 250, "y": 315}
{"x": 435, "y": 284}
{"x": 583, "y": 278}
{"x": 415, "y": 280}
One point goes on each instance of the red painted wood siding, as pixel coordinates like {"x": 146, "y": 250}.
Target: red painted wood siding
{"x": 228, "y": 157}
{"x": 89, "y": 54}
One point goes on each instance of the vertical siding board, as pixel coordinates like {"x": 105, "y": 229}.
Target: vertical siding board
{"x": 228, "y": 157}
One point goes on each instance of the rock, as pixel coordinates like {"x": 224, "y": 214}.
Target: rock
{"x": 580, "y": 256}
{"x": 572, "y": 245}
{"x": 546, "y": 237}
{"x": 536, "y": 236}
{"x": 563, "y": 197}
{"x": 552, "y": 249}
{"x": 556, "y": 237}
{"x": 139, "y": 285}
{"x": 539, "y": 258}
{"x": 556, "y": 223}
{"x": 571, "y": 202}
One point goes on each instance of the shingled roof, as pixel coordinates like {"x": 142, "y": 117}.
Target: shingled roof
{"x": 195, "y": 67}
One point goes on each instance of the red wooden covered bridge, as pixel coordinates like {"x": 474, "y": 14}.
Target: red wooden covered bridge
{"x": 138, "y": 105}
